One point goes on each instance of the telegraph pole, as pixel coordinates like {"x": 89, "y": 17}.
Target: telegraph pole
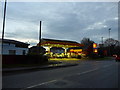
{"x": 40, "y": 37}
{"x": 4, "y": 23}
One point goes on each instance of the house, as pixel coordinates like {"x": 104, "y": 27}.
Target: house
{"x": 13, "y": 47}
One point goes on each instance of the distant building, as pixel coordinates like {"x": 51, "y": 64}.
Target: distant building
{"x": 13, "y": 47}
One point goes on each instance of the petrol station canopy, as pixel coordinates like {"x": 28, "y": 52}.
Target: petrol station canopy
{"x": 59, "y": 43}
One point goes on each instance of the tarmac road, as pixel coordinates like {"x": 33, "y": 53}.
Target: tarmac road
{"x": 88, "y": 74}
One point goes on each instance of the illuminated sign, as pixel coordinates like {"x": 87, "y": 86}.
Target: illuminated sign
{"x": 75, "y": 50}
{"x": 95, "y": 50}
{"x": 94, "y": 45}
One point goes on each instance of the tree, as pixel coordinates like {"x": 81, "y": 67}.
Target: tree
{"x": 88, "y": 46}
{"x": 111, "y": 42}
{"x": 86, "y": 42}
{"x": 112, "y": 46}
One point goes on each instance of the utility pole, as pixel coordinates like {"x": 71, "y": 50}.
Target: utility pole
{"x": 40, "y": 37}
{"x": 4, "y": 24}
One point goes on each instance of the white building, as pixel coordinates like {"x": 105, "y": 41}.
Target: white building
{"x": 13, "y": 47}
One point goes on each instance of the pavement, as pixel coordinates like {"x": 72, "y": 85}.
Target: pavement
{"x": 62, "y": 64}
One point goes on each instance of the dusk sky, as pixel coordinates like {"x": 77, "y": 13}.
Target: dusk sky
{"x": 61, "y": 20}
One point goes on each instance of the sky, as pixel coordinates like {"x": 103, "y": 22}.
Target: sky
{"x": 60, "y": 20}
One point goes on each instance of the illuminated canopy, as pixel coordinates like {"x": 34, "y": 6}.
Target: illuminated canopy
{"x": 59, "y": 43}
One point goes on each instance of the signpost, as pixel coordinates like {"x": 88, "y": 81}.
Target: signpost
{"x": 95, "y": 50}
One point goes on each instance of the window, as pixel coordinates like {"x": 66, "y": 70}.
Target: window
{"x": 12, "y": 52}
{"x": 23, "y": 52}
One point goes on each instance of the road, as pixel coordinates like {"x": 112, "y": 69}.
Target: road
{"x": 88, "y": 74}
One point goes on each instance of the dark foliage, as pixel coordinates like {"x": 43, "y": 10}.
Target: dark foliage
{"x": 24, "y": 59}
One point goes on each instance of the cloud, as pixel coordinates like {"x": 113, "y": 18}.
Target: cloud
{"x": 66, "y": 20}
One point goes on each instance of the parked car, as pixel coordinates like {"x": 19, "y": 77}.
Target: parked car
{"x": 117, "y": 58}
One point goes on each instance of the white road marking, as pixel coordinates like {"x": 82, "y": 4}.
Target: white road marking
{"x": 87, "y": 71}
{"x": 67, "y": 75}
{"x": 107, "y": 65}
{"x": 56, "y": 80}
{"x": 97, "y": 61}
{"x": 93, "y": 69}
{"x": 39, "y": 84}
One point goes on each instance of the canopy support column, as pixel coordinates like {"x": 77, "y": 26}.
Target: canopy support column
{"x": 65, "y": 50}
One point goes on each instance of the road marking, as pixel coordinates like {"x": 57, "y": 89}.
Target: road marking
{"x": 87, "y": 71}
{"x": 93, "y": 70}
{"x": 107, "y": 65}
{"x": 56, "y": 80}
{"x": 97, "y": 61}
{"x": 38, "y": 84}
{"x": 67, "y": 75}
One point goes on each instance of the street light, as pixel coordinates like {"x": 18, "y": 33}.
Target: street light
{"x": 109, "y": 40}
{"x": 109, "y": 32}
{"x": 102, "y": 40}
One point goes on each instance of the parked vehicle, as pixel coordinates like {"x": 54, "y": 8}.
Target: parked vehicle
{"x": 117, "y": 58}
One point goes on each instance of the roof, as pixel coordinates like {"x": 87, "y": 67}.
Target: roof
{"x": 59, "y": 43}
{"x": 59, "y": 40}
{"x": 13, "y": 42}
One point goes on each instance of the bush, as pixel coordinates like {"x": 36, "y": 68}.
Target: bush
{"x": 79, "y": 56}
{"x": 37, "y": 59}
{"x": 93, "y": 56}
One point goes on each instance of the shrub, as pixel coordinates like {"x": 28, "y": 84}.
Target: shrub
{"x": 93, "y": 56}
{"x": 79, "y": 56}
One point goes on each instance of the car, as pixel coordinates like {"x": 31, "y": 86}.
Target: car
{"x": 117, "y": 58}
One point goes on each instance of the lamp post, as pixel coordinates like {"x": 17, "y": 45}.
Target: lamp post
{"x": 109, "y": 40}
{"x": 4, "y": 24}
{"x": 102, "y": 40}
{"x": 109, "y": 32}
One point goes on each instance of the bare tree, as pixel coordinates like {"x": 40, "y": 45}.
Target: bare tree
{"x": 112, "y": 46}
{"x": 111, "y": 42}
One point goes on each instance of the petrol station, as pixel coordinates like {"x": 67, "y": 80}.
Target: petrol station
{"x": 61, "y": 48}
